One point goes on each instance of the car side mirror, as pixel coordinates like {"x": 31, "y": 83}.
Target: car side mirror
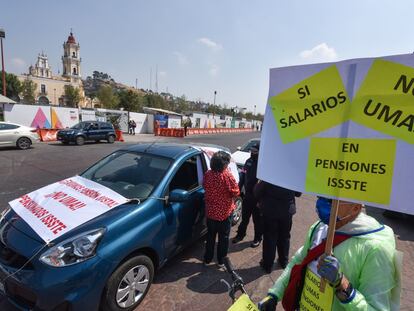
{"x": 239, "y": 148}
{"x": 178, "y": 195}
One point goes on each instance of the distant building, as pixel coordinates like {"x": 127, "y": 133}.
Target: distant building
{"x": 51, "y": 89}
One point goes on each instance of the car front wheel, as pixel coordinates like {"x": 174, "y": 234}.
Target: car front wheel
{"x": 111, "y": 139}
{"x": 128, "y": 285}
{"x": 80, "y": 140}
{"x": 23, "y": 143}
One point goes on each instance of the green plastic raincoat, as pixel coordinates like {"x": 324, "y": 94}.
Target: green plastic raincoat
{"x": 368, "y": 260}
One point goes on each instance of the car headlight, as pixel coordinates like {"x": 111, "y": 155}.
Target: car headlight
{"x": 4, "y": 213}
{"x": 73, "y": 250}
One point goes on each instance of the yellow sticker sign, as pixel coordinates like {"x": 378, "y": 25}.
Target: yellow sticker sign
{"x": 311, "y": 106}
{"x": 243, "y": 303}
{"x": 385, "y": 100}
{"x": 312, "y": 298}
{"x": 355, "y": 168}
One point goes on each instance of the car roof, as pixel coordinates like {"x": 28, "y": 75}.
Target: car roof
{"x": 168, "y": 150}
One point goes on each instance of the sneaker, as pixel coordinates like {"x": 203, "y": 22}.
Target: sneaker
{"x": 221, "y": 266}
{"x": 236, "y": 239}
{"x": 282, "y": 264}
{"x": 206, "y": 263}
{"x": 265, "y": 269}
{"x": 255, "y": 244}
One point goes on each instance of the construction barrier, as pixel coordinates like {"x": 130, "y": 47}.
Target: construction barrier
{"x": 174, "y": 132}
{"x": 119, "y": 136}
{"x": 47, "y": 134}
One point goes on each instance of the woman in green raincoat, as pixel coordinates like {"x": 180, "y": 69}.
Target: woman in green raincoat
{"x": 363, "y": 273}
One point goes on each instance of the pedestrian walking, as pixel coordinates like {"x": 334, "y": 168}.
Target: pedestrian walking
{"x": 248, "y": 180}
{"x": 133, "y": 125}
{"x": 362, "y": 273}
{"x": 130, "y": 127}
{"x": 221, "y": 189}
{"x": 277, "y": 206}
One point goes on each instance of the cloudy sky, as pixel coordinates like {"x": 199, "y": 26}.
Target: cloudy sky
{"x": 199, "y": 47}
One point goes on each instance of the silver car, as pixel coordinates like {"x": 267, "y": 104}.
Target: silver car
{"x": 20, "y": 136}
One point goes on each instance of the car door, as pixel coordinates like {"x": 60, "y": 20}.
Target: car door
{"x": 93, "y": 131}
{"x": 185, "y": 221}
{"x": 9, "y": 133}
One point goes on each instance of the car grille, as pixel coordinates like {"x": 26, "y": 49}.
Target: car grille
{"x": 12, "y": 259}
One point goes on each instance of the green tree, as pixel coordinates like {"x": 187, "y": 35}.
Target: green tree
{"x": 72, "y": 96}
{"x": 13, "y": 86}
{"x": 130, "y": 100}
{"x": 107, "y": 97}
{"x": 28, "y": 91}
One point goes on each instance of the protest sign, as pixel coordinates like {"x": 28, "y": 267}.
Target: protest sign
{"x": 343, "y": 130}
{"x": 60, "y": 207}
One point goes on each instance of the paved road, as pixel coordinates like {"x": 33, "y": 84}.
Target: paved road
{"x": 183, "y": 284}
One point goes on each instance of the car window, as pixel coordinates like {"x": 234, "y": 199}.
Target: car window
{"x": 5, "y": 126}
{"x": 80, "y": 125}
{"x": 94, "y": 126}
{"x": 187, "y": 177}
{"x": 106, "y": 126}
{"x": 131, "y": 174}
{"x": 246, "y": 147}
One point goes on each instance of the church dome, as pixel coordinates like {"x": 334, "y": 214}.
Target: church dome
{"x": 71, "y": 38}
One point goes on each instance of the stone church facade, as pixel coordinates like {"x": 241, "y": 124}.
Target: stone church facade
{"x": 50, "y": 89}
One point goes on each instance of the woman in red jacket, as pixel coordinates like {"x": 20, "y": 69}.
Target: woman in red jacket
{"x": 220, "y": 191}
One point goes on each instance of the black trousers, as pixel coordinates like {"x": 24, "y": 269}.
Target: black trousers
{"x": 222, "y": 229}
{"x": 249, "y": 208}
{"x": 276, "y": 234}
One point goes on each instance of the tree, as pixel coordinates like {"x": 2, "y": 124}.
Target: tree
{"x": 28, "y": 91}
{"x": 107, "y": 97}
{"x": 72, "y": 96}
{"x": 130, "y": 100}
{"x": 13, "y": 86}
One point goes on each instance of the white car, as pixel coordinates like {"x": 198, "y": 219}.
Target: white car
{"x": 243, "y": 153}
{"x": 20, "y": 136}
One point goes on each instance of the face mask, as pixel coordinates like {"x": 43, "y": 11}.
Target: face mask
{"x": 323, "y": 208}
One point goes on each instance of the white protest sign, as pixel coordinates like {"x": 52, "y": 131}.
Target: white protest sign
{"x": 208, "y": 153}
{"x": 343, "y": 130}
{"x": 60, "y": 207}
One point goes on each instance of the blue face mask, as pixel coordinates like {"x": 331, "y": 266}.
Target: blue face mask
{"x": 323, "y": 208}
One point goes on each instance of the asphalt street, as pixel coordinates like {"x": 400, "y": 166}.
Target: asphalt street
{"x": 184, "y": 284}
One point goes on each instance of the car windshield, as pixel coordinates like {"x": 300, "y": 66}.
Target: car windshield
{"x": 133, "y": 175}
{"x": 79, "y": 126}
{"x": 246, "y": 147}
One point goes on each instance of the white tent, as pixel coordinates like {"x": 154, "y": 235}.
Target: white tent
{"x": 6, "y": 100}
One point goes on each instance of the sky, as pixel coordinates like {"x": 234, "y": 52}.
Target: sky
{"x": 198, "y": 47}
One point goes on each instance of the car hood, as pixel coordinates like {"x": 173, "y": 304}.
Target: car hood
{"x": 68, "y": 131}
{"x": 16, "y": 223}
{"x": 240, "y": 157}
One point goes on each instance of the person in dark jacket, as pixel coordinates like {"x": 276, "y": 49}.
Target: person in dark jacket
{"x": 248, "y": 180}
{"x": 277, "y": 206}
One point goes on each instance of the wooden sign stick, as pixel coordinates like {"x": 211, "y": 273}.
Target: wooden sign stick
{"x": 330, "y": 236}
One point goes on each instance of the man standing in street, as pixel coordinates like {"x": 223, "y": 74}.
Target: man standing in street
{"x": 362, "y": 273}
{"x": 248, "y": 180}
{"x": 277, "y": 206}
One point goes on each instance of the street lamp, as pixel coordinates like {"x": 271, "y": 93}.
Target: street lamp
{"x": 3, "y": 35}
{"x": 254, "y": 113}
{"x": 215, "y": 93}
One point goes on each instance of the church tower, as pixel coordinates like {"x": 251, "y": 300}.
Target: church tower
{"x": 71, "y": 59}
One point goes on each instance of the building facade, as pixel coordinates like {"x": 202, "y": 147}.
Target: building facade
{"x": 50, "y": 89}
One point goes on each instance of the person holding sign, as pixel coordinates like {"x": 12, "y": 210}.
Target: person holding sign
{"x": 220, "y": 191}
{"x": 248, "y": 179}
{"x": 362, "y": 273}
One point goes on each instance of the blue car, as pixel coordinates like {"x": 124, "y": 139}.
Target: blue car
{"x": 109, "y": 262}
{"x": 87, "y": 131}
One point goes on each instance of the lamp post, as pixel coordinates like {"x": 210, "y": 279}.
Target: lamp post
{"x": 215, "y": 93}
{"x": 254, "y": 113}
{"x": 3, "y": 35}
